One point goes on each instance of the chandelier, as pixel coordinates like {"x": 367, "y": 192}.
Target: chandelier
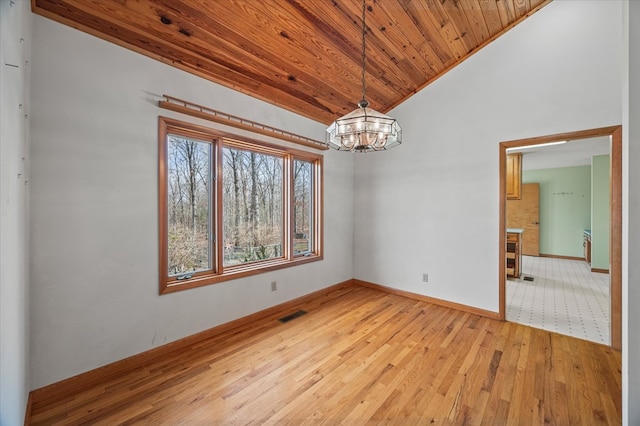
{"x": 364, "y": 129}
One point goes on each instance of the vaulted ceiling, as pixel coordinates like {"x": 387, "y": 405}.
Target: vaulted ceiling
{"x": 303, "y": 55}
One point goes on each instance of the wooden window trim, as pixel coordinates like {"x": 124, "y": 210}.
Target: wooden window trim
{"x": 218, "y": 272}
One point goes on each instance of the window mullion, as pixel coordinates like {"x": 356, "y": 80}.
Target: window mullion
{"x": 318, "y": 208}
{"x": 288, "y": 207}
{"x": 213, "y": 232}
{"x": 218, "y": 219}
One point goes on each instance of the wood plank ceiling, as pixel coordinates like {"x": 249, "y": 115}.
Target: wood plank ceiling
{"x": 303, "y": 55}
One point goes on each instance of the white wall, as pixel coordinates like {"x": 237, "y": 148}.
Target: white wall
{"x": 631, "y": 217}
{"x": 94, "y": 208}
{"x": 432, "y": 204}
{"x": 15, "y": 40}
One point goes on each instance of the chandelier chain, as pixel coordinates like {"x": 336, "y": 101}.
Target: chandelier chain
{"x": 364, "y": 129}
{"x": 364, "y": 47}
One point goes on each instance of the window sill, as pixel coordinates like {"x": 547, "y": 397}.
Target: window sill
{"x": 235, "y": 272}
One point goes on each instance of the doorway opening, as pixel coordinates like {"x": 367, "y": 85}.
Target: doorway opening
{"x": 615, "y": 217}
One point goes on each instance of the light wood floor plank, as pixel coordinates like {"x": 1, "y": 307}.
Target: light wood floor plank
{"x": 361, "y": 356}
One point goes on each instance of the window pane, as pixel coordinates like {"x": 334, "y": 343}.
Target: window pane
{"x": 303, "y": 207}
{"x": 252, "y": 206}
{"x": 189, "y": 205}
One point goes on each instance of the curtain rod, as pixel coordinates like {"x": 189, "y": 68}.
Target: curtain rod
{"x": 199, "y": 111}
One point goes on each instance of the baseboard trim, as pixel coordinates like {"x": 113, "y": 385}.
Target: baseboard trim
{"x": 27, "y": 414}
{"x": 556, "y": 256}
{"x": 432, "y": 300}
{"x": 597, "y": 270}
{"x": 64, "y": 388}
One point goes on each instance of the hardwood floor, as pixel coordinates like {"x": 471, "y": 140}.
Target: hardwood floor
{"x": 362, "y": 356}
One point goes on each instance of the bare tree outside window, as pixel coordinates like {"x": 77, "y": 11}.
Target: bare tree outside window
{"x": 303, "y": 206}
{"x": 189, "y": 205}
{"x": 252, "y": 206}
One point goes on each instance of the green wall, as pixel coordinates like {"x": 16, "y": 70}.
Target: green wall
{"x": 565, "y": 208}
{"x": 600, "y": 212}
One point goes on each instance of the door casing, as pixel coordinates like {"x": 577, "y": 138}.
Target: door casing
{"x": 615, "y": 203}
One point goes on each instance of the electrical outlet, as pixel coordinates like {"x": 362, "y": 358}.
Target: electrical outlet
{"x": 425, "y": 277}
{"x": 274, "y": 285}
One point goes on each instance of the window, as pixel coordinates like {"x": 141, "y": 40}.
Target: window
{"x": 231, "y": 207}
{"x": 189, "y": 206}
{"x": 303, "y": 207}
{"x": 251, "y": 206}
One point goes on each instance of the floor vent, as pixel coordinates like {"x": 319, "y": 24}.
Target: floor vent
{"x": 528, "y": 278}
{"x": 292, "y": 316}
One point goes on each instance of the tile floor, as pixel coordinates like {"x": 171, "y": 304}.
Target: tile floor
{"x": 564, "y": 296}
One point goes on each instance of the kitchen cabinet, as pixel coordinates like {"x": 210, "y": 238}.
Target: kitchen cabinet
{"x": 514, "y": 253}
{"x": 514, "y": 176}
{"x": 587, "y": 246}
